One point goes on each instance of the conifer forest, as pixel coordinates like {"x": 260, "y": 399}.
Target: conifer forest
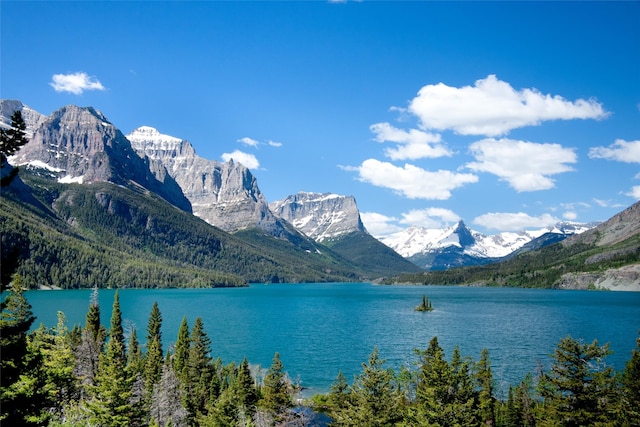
{"x": 98, "y": 375}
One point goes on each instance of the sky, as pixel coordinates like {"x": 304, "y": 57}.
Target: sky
{"x": 509, "y": 116}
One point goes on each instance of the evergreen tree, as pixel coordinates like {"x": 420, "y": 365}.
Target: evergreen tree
{"x": 246, "y": 393}
{"x": 15, "y": 323}
{"x": 87, "y": 352}
{"x": 199, "y": 369}
{"x": 111, "y": 395}
{"x": 181, "y": 349}
{"x": 276, "y": 394}
{"x": 374, "y": 400}
{"x": 484, "y": 379}
{"x": 339, "y": 394}
{"x": 579, "y": 389}
{"x": 631, "y": 388}
{"x": 153, "y": 359}
{"x": 13, "y": 138}
{"x": 134, "y": 370}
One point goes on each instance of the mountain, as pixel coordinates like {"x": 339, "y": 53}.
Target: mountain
{"x": 320, "y": 216}
{"x": 606, "y": 256}
{"x": 223, "y": 194}
{"x": 80, "y": 145}
{"x": 458, "y": 245}
{"x": 334, "y": 220}
{"x": 31, "y": 117}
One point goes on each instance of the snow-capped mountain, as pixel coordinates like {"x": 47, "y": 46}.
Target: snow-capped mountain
{"x": 320, "y": 216}
{"x": 31, "y": 117}
{"x": 458, "y": 245}
{"x": 223, "y": 194}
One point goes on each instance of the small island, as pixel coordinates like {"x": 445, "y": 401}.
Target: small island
{"x": 425, "y": 306}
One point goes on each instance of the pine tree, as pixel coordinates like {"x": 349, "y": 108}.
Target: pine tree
{"x": 631, "y": 388}
{"x": 153, "y": 359}
{"x": 181, "y": 349}
{"x": 578, "y": 391}
{"x": 199, "y": 369}
{"x": 484, "y": 379}
{"x": 339, "y": 393}
{"x": 15, "y": 323}
{"x": 276, "y": 395}
{"x": 247, "y": 397}
{"x": 13, "y": 138}
{"x": 374, "y": 400}
{"x": 111, "y": 395}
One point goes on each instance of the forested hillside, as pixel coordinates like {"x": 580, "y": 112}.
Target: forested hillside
{"x": 71, "y": 235}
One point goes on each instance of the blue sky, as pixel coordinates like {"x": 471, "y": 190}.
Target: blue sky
{"x": 508, "y": 116}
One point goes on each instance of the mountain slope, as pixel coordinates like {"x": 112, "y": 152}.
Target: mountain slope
{"x": 72, "y": 235}
{"x": 334, "y": 221}
{"x": 606, "y": 256}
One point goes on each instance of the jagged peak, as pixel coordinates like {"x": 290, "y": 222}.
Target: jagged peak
{"x": 151, "y": 135}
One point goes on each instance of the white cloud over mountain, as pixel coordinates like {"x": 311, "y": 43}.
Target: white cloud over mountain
{"x": 429, "y": 217}
{"x": 493, "y": 107}
{"x": 411, "y": 181}
{"x": 247, "y": 159}
{"x": 75, "y": 83}
{"x": 620, "y": 150}
{"x": 526, "y": 166}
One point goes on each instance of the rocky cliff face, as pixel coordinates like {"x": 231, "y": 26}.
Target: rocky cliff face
{"x": 31, "y": 117}
{"x": 81, "y": 145}
{"x": 320, "y": 216}
{"x": 223, "y": 194}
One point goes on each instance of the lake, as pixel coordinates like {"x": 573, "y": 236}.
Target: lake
{"x": 320, "y": 329}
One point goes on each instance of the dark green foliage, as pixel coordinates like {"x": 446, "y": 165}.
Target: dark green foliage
{"x": 153, "y": 359}
{"x": 579, "y": 389}
{"x": 276, "y": 391}
{"x": 73, "y": 236}
{"x": 13, "y": 138}
{"x": 631, "y": 388}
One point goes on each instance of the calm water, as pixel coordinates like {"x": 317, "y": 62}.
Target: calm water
{"x": 320, "y": 329}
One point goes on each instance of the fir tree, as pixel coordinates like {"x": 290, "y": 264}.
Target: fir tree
{"x": 578, "y": 391}
{"x": 181, "y": 349}
{"x": 13, "y": 138}
{"x": 111, "y": 395}
{"x": 15, "y": 323}
{"x": 199, "y": 369}
{"x": 247, "y": 397}
{"x": 631, "y": 388}
{"x": 484, "y": 379}
{"x": 276, "y": 395}
{"x": 153, "y": 359}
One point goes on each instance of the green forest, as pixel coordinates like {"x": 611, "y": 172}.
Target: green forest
{"x": 92, "y": 375}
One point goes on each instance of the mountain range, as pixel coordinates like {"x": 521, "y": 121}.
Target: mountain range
{"x": 76, "y": 153}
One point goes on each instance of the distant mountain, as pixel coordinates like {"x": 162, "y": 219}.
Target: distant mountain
{"x": 334, "y": 220}
{"x": 31, "y": 117}
{"x": 80, "y": 145}
{"x": 606, "y": 256}
{"x": 458, "y": 245}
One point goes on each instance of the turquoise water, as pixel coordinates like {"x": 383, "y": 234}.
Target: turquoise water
{"x": 320, "y": 329}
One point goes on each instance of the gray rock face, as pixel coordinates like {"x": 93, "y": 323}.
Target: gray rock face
{"x": 320, "y": 216}
{"x": 223, "y": 194}
{"x": 82, "y": 146}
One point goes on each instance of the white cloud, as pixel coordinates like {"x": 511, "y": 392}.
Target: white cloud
{"x": 504, "y": 221}
{"x": 429, "y": 217}
{"x": 248, "y": 141}
{"x": 634, "y": 192}
{"x": 620, "y": 150}
{"x": 570, "y": 215}
{"x": 414, "y": 144}
{"x": 75, "y": 83}
{"x": 378, "y": 224}
{"x": 411, "y": 181}
{"x": 493, "y": 107}
{"x": 249, "y": 160}
{"x": 274, "y": 144}
{"x": 526, "y": 166}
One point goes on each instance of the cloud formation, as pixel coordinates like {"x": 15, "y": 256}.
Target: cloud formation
{"x": 248, "y": 141}
{"x": 413, "y": 144}
{"x": 620, "y": 150}
{"x": 247, "y": 159}
{"x": 378, "y": 224}
{"x": 526, "y": 166}
{"x": 75, "y": 83}
{"x": 493, "y": 107}
{"x": 411, "y": 181}
{"x": 503, "y": 221}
